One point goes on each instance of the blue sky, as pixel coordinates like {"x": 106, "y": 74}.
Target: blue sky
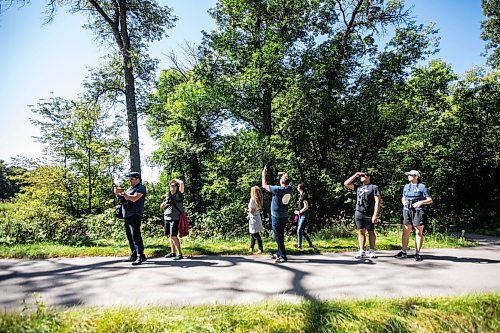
{"x": 36, "y": 60}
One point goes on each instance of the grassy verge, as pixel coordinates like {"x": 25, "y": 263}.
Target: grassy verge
{"x": 477, "y": 313}
{"x": 323, "y": 243}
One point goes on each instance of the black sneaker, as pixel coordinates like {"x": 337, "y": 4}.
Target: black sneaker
{"x": 143, "y": 257}
{"x": 178, "y": 257}
{"x": 170, "y": 255}
{"x": 401, "y": 255}
{"x": 137, "y": 261}
{"x": 418, "y": 257}
{"x": 131, "y": 258}
{"x": 280, "y": 260}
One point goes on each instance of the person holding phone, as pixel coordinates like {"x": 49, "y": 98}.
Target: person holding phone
{"x": 133, "y": 210}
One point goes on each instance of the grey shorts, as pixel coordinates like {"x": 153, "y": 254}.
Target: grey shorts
{"x": 364, "y": 221}
{"x": 415, "y": 217}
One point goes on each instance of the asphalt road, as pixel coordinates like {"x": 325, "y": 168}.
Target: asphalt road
{"x": 105, "y": 281}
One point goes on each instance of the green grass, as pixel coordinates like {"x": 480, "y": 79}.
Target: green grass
{"x": 474, "y": 313}
{"x": 324, "y": 243}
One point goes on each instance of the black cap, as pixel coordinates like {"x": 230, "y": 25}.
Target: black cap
{"x": 133, "y": 174}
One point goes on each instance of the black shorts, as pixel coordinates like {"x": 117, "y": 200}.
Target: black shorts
{"x": 415, "y": 217}
{"x": 172, "y": 228}
{"x": 363, "y": 221}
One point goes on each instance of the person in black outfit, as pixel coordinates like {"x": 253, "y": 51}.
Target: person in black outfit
{"x": 367, "y": 210}
{"x": 133, "y": 211}
{"x": 303, "y": 212}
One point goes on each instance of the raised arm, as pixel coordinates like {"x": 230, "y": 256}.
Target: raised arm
{"x": 181, "y": 185}
{"x": 349, "y": 182}
{"x": 264, "y": 180}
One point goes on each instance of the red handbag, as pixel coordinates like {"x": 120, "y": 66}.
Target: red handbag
{"x": 183, "y": 225}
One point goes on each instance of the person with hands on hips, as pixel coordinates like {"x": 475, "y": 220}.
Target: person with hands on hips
{"x": 415, "y": 199}
{"x": 133, "y": 211}
{"x": 367, "y": 210}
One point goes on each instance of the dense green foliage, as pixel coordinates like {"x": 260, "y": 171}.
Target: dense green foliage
{"x": 491, "y": 30}
{"x": 313, "y": 90}
{"x": 10, "y": 182}
{"x": 475, "y": 313}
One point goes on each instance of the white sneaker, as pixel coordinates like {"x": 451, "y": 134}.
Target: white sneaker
{"x": 372, "y": 254}
{"x": 360, "y": 254}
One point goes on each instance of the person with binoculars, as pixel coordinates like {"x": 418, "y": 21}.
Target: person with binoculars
{"x": 415, "y": 198}
{"x": 132, "y": 202}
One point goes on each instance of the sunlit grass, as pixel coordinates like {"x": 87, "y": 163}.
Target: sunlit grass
{"x": 158, "y": 246}
{"x": 476, "y": 313}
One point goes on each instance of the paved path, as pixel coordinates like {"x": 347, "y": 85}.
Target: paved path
{"x": 240, "y": 279}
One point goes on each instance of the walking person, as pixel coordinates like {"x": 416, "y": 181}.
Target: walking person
{"x": 254, "y": 219}
{"x": 415, "y": 199}
{"x": 367, "y": 210}
{"x": 173, "y": 206}
{"x": 303, "y": 213}
{"x": 133, "y": 211}
{"x": 279, "y": 211}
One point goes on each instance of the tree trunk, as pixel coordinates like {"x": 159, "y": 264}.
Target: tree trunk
{"x": 128, "y": 70}
{"x": 133, "y": 128}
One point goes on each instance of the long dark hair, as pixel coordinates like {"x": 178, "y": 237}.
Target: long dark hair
{"x": 301, "y": 187}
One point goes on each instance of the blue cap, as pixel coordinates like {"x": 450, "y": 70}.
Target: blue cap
{"x": 133, "y": 174}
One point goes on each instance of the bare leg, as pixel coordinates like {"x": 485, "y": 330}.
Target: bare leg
{"x": 407, "y": 228}
{"x": 177, "y": 244}
{"x": 361, "y": 239}
{"x": 419, "y": 238}
{"x": 172, "y": 245}
{"x": 372, "y": 237}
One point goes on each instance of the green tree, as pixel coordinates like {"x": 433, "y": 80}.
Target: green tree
{"x": 184, "y": 118}
{"x": 491, "y": 30}
{"x": 10, "y": 183}
{"x": 77, "y": 138}
{"x": 128, "y": 26}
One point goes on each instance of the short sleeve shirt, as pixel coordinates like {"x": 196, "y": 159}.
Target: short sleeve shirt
{"x": 171, "y": 213}
{"x": 280, "y": 199}
{"x": 365, "y": 198}
{"x": 303, "y": 197}
{"x": 416, "y": 192}
{"x": 132, "y": 208}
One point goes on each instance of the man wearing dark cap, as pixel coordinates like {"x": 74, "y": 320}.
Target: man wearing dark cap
{"x": 367, "y": 209}
{"x": 279, "y": 211}
{"x": 133, "y": 211}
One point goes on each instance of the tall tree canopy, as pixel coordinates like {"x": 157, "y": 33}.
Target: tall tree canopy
{"x": 129, "y": 26}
